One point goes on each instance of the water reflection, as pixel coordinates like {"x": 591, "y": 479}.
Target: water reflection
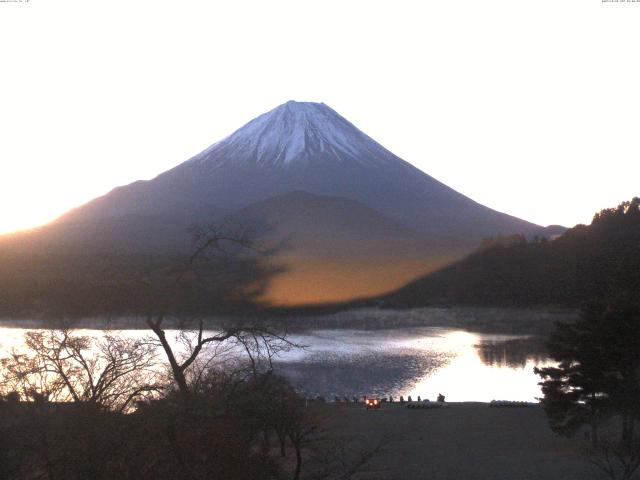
{"x": 370, "y": 373}
{"x": 470, "y": 377}
{"x": 421, "y": 361}
{"x": 514, "y": 352}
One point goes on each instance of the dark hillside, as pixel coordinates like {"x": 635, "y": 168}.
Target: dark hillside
{"x": 584, "y": 263}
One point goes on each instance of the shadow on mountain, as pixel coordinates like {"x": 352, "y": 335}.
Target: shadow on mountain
{"x": 338, "y": 249}
{"x": 229, "y": 276}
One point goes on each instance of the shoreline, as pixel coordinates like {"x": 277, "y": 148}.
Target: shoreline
{"x": 473, "y": 319}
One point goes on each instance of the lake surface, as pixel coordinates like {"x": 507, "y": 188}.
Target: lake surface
{"x": 423, "y": 361}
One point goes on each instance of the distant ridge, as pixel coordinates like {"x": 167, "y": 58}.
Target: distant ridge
{"x": 598, "y": 262}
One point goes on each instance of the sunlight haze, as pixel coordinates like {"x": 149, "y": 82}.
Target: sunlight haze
{"x": 500, "y": 100}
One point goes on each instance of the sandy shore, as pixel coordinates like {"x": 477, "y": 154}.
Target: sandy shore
{"x": 462, "y": 441}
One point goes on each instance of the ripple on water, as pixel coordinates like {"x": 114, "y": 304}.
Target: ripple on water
{"x": 379, "y": 373}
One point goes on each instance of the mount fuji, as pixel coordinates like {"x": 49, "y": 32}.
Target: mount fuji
{"x": 357, "y": 219}
{"x": 302, "y": 146}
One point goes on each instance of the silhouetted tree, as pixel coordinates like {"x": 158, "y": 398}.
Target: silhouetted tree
{"x": 616, "y": 460}
{"x": 598, "y": 372}
{"x": 216, "y": 271}
{"x": 109, "y": 371}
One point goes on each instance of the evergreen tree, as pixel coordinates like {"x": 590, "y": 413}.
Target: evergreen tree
{"x": 598, "y": 372}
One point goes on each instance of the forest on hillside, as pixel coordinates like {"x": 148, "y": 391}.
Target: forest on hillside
{"x": 584, "y": 264}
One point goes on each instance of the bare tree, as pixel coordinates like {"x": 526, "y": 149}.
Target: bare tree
{"x": 300, "y": 428}
{"x": 215, "y": 271}
{"x": 258, "y": 342}
{"x": 262, "y": 345}
{"x": 180, "y": 363}
{"x": 346, "y": 457}
{"x": 615, "y": 459}
{"x": 109, "y": 371}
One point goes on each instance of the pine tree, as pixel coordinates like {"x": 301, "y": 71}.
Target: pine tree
{"x": 598, "y": 372}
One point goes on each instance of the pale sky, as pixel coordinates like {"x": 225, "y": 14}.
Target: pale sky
{"x": 529, "y": 107}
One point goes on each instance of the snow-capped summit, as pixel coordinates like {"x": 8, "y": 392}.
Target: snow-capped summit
{"x": 296, "y": 132}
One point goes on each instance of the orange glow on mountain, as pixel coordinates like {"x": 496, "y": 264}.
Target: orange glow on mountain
{"x": 326, "y": 280}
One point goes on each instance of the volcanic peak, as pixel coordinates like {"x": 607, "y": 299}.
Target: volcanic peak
{"x": 295, "y": 131}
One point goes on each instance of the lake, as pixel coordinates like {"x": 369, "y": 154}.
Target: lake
{"x": 425, "y": 361}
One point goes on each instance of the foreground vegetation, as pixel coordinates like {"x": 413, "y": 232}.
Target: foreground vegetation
{"x": 199, "y": 405}
{"x": 596, "y": 382}
{"x": 76, "y": 407}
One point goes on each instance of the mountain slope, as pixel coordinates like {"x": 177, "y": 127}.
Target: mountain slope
{"x": 308, "y": 147}
{"x": 323, "y": 225}
{"x": 335, "y": 249}
{"x": 353, "y": 218}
